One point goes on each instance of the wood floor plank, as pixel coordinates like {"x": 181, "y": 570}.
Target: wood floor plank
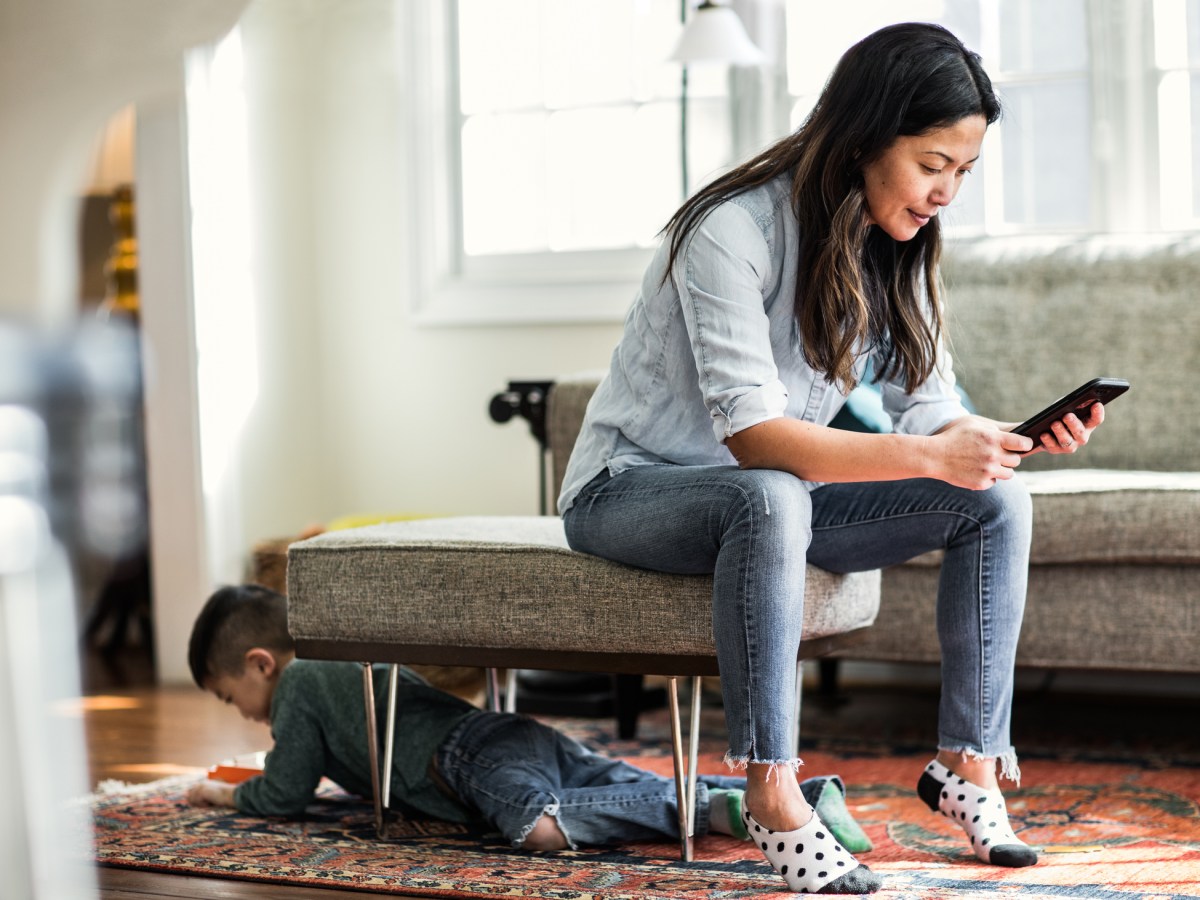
{"x": 128, "y": 884}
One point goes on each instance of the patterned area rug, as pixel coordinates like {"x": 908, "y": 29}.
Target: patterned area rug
{"x": 1116, "y": 830}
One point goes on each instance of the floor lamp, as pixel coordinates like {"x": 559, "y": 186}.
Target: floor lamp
{"x": 714, "y": 34}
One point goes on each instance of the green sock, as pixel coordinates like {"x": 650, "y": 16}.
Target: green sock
{"x": 725, "y": 813}
{"x": 827, "y": 795}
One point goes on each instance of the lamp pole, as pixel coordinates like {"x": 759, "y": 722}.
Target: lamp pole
{"x": 683, "y": 109}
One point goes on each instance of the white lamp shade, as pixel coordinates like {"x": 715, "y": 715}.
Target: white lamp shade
{"x": 715, "y": 34}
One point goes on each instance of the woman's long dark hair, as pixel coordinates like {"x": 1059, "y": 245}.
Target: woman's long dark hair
{"x": 855, "y": 282}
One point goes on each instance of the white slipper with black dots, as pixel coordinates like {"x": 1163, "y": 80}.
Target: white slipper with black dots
{"x": 811, "y": 860}
{"x": 981, "y": 814}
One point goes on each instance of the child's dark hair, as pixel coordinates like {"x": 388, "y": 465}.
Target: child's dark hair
{"x": 235, "y": 619}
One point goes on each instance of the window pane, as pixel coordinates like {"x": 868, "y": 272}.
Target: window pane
{"x": 504, "y": 184}
{"x": 1047, "y": 153}
{"x": 655, "y": 181}
{"x": 1043, "y": 36}
{"x": 589, "y": 153}
{"x": 500, "y": 56}
{"x": 710, "y": 144}
{"x": 589, "y": 52}
{"x": 966, "y": 212}
{"x": 1193, "y": 31}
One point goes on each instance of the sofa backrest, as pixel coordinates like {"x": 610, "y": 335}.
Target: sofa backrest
{"x": 1027, "y": 326}
{"x": 565, "y": 406}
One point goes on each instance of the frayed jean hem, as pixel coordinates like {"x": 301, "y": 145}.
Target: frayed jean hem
{"x": 740, "y": 762}
{"x": 551, "y": 810}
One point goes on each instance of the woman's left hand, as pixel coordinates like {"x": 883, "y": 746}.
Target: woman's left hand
{"x": 1070, "y": 432}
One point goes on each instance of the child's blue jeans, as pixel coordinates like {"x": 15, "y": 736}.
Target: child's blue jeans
{"x": 513, "y": 770}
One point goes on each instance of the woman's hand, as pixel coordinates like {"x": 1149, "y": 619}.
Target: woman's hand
{"x": 211, "y": 793}
{"x": 975, "y": 453}
{"x": 1070, "y": 433}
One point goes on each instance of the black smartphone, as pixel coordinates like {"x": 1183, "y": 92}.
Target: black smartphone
{"x": 1079, "y": 401}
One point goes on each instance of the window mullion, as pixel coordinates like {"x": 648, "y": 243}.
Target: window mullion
{"x": 1124, "y": 193}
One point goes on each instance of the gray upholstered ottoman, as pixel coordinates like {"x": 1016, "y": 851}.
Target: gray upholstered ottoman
{"x": 507, "y": 592}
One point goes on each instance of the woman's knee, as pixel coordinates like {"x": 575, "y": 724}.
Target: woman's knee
{"x": 1009, "y": 502}
{"x": 775, "y": 497}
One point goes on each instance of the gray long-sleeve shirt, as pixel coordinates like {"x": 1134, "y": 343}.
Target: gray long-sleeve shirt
{"x": 319, "y": 727}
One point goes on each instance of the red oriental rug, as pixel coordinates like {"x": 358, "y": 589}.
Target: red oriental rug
{"x": 1114, "y": 830}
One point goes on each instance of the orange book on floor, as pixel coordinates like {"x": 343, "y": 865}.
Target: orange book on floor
{"x": 232, "y": 774}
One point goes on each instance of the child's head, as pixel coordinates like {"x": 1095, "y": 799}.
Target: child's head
{"x": 239, "y": 645}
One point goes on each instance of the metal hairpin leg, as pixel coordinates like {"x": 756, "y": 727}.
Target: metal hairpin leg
{"x": 510, "y": 691}
{"x": 493, "y": 690}
{"x": 373, "y": 745}
{"x": 693, "y": 754}
{"x": 389, "y": 734}
{"x": 685, "y": 786}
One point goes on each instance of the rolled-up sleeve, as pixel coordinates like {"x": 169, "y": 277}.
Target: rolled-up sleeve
{"x": 720, "y": 277}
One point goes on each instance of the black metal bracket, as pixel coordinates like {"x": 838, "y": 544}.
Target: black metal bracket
{"x": 526, "y": 399}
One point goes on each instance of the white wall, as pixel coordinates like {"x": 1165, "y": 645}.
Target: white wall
{"x": 362, "y": 409}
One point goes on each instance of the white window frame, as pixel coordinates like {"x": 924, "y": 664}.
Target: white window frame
{"x": 588, "y": 286}
{"x": 451, "y": 289}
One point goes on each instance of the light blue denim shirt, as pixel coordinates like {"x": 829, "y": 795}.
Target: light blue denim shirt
{"x": 715, "y": 349}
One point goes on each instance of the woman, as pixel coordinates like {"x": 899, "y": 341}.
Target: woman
{"x": 706, "y": 449}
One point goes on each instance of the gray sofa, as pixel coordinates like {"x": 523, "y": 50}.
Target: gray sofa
{"x": 1114, "y": 580}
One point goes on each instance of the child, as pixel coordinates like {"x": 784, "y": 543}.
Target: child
{"x": 454, "y": 762}
{"x": 538, "y": 787}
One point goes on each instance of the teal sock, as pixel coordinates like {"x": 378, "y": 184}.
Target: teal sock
{"x": 725, "y": 813}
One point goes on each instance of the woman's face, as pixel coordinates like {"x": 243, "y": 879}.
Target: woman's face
{"x": 919, "y": 174}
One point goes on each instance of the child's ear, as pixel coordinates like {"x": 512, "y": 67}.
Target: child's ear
{"x": 261, "y": 660}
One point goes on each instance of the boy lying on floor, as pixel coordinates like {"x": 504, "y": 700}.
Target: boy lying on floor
{"x": 539, "y": 788}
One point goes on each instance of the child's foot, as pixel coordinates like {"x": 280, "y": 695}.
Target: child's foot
{"x": 811, "y": 860}
{"x": 981, "y": 814}
{"x": 827, "y": 795}
{"x": 725, "y": 812}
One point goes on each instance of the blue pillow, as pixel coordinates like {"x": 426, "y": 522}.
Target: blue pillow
{"x": 864, "y": 407}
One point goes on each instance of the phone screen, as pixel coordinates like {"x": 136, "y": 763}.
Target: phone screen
{"x": 1079, "y": 401}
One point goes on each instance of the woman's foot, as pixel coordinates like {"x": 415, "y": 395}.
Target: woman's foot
{"x": 979, "y": 812}
{"x": 811, "y": 860}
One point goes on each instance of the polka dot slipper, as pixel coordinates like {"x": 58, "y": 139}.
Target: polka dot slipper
{"x": 981, "y": 814}
{"x": 811, "y": 860}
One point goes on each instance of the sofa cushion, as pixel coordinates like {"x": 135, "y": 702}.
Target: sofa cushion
{"x": 512, "y": 582}
{"x": 1110, "y": 516}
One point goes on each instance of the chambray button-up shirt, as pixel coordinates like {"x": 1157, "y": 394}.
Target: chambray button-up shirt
{"x": 715, "y": 349}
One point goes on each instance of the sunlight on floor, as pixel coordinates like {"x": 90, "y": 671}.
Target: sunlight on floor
{"x": 77, "y": 706}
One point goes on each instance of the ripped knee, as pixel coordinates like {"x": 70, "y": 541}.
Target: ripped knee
{"x": 545, "y": 835}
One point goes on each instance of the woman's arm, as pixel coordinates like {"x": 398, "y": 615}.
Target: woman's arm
{"x": 970, "y": 452}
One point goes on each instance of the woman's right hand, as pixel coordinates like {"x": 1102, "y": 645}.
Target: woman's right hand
{"x": 975, "y": 453}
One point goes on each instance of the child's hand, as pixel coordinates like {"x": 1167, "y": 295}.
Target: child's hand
{"x": 211, "y": 793}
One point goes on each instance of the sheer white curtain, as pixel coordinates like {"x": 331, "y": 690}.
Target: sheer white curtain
{"x": 223, "y": 289}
